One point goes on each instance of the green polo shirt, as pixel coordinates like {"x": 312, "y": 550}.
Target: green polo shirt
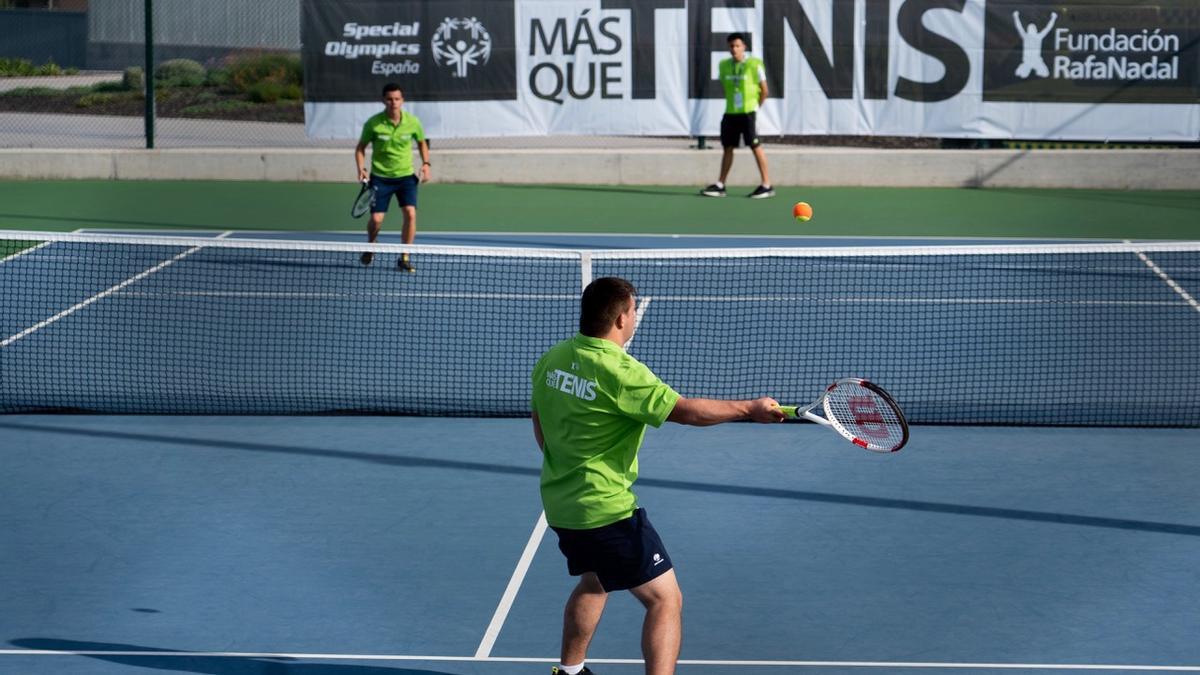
{"x": 593, "y": 402}
{"x": 392, "y": 144}
{"x": 741, "y": 81}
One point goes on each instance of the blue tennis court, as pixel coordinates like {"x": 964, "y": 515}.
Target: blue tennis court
{"x": 396, "y": 539}
{"x": 411, "y": 544}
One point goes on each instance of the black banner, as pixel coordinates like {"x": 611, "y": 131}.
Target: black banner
{"x": 450, "y": 50}
{"x": 1092, "y": 52}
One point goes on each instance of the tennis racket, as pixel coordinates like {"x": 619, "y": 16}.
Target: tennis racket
{"x": 862, "y": 412}
{"x": 362, "y": 203}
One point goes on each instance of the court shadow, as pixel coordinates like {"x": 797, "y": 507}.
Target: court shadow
{"x": 183, "y": 662}
{"x": 614, "y": 189}
{"x": 522, "y": 242}
{"x": 110, "y": 222}
{"x": 1181, "y": 201}
{"x": 664, "y": 483}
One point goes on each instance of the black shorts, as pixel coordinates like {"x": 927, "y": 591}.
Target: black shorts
{"x": 623, "y": 555}
{"x": 738, "y": 126}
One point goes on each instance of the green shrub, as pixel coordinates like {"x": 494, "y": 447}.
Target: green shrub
{"x": 90, "y": 100}
{"x": 15, "y": 67}
{"x": 133, "y": 79}
{"x": 282, "y": 69}
{"x": 25, "y": 68}
{"x": 105, "y": 87}
{"x": 34, "y": 91}
{"x": 217, "y": 77}
{"x": 265, "y": 92}
{"x": 218, "y": 109}
{"x": 180, "y": 73}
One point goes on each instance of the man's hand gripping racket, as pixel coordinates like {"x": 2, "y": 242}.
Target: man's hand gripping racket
{"x": 862, "y": 412}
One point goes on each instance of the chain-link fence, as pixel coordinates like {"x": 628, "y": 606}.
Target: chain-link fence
{"x": 226, "y": 74}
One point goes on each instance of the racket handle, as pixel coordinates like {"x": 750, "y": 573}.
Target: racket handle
{"x": 794, "y": 411}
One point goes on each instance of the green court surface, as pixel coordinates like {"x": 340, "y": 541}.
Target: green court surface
{"x": 840, "y": 211}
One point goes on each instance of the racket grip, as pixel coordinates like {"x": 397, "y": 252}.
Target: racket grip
{"x": 789, "y": 410}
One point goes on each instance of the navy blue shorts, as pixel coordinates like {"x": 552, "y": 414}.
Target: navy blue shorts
{"x": 623, "y": 555}
{"x": 404, "y": 188}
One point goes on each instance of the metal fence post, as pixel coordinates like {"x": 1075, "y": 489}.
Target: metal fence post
{"x": 149, "y": 74}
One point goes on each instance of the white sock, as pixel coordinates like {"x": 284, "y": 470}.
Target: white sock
{"x": 720, "y": 185}
{"x": 571, "y": 670}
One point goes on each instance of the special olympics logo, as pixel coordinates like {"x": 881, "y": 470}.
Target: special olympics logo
{"x": 461, "y": 43}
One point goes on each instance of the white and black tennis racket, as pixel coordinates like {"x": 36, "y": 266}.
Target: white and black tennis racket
{"x": 364, "y": 200}
{"x": 860, "y": 411}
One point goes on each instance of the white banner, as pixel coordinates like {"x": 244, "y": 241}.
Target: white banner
{"x": 950, "y": 68}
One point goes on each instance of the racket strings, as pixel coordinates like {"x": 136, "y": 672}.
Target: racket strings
{"x": 363, "y": 202}
{"x": 864, "y": 414}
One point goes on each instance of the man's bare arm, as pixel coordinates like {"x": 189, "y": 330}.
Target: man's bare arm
{"x": 703, "y": 412}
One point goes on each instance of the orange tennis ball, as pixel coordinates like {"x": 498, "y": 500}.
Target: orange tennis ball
{"x": 802, "y": 211}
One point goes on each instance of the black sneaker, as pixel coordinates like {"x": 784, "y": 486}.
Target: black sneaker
{"x": 713, "y": 190}
{"x": 557, "y": 671}
{"x": 367, "y": 258}
{"x": 762, "y": 192}
{"x": 405, "y": 265}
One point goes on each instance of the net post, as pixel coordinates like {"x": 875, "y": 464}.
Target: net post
{"x": 585, "y": 268}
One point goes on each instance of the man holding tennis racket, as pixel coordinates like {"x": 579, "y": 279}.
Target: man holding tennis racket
{"x": 391, "y": 134}
{"x": 591, "y": 403}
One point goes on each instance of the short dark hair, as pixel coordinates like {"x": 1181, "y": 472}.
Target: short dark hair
{"x": 736, "y": 36}
{"x": 603, "y": 301}
{"x": 390, "y": 87}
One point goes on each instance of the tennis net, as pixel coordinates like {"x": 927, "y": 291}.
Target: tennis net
{"x": 1087, "y": 334}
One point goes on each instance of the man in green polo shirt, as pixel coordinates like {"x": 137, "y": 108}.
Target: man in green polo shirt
{"x": 391, "y": 134}
{"x": 745, "y": 84}
{"x": 591, "y": 403}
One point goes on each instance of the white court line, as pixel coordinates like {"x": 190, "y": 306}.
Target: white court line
{"x": 26, "y": 251}
{"x": 18, "y": 254}
{"x": 134, "y": 279}
{"x": 1166, "y": 279}
{"x": 284, "y": 295}
{"x": 450, "y": 295}
{"x": 631, "y": 235}
{"x": 514, "y": 585}
{"x": 682, "y": 662}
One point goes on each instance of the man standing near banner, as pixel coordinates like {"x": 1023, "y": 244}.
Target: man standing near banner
{"x": 391, "y": 134}
{"x": 745, "y": 83}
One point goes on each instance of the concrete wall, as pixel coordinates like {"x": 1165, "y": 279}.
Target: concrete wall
{"x": 1101, "y": 169}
